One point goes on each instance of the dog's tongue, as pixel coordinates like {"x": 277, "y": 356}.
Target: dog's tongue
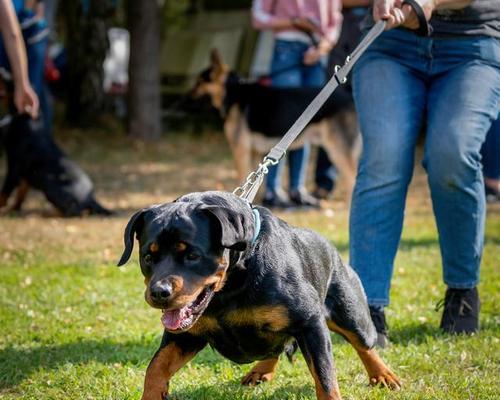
{"x": 172, "y": 319}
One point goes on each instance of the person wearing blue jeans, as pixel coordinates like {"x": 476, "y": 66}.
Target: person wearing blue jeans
{"x": 491, "y": 163}
{"x": 449, "y": 84}
{"x": 304, "y": 33}
{"x": 25, "y": 99}
{"x": 288, "y": 71}
{"x": 35, "y": 34}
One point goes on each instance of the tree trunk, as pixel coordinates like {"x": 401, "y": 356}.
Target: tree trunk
{"x": 144, "y": 99}
{"x": 87, "y": 43}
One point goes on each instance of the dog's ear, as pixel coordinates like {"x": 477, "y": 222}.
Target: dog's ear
{"x": 216, "y": 59}
{"x": 236, "y": 230}
{"x": 133, "y": 226}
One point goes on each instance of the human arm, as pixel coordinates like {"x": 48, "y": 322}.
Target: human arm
{"x": 263, "y": 17}
{"x": 25, "y": 98}
{"x": 356, "y": 3}
{"x": 329, "y": 35}
{"x": 398, "y": 14}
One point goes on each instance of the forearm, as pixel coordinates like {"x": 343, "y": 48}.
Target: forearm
{"x": 13, "y": 42}
{"x": 263, "y": 17}
{"x": 272, "y": 23}
{"x": 355, "y": 3}
{"x": 451, "y": 4}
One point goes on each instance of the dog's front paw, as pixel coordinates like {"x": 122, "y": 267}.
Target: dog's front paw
{"x": 386, "y": 378}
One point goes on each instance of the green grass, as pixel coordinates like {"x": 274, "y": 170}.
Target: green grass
{"x": 73, "y": 326}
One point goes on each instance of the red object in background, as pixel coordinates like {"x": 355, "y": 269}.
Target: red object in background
{"x": 265, "y": 81}
{"x": 51, "y": 73}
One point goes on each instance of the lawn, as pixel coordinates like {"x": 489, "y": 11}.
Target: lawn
{"x": 74, "y": 326}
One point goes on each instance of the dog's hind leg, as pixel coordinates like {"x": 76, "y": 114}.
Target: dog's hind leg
{"x": 263, "y": 371}
{"x": 21, "y": 193}
{"x": 170, "y": 357}
{"x": 348, "y": 315}
{"x": 12, "y": 180}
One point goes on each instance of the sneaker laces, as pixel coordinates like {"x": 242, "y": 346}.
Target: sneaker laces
{"x": 449, "y": 300}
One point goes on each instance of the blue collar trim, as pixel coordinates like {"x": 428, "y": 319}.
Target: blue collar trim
{"x": 256, "y": 220}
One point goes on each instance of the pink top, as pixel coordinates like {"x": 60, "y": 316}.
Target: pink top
{"x": 326, "y": 13}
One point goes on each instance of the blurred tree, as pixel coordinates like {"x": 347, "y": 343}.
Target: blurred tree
{"x": 86, "y": 23}
{"x": 144, "y": 94}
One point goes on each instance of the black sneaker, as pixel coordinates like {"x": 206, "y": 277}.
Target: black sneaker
{"x": 378, "y": 317}
{"x": 276, "y": 200}
{"x": 300, "y": 198}
{"x": 461, "y": 311}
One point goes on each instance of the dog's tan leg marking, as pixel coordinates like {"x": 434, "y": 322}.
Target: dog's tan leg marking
{"x": 321, "y": 394}
{"x": 163, "y": 366}
{"x": 263, "y": 371}
{"x": 378, "y": 372}
{"x": 21, "y": 193}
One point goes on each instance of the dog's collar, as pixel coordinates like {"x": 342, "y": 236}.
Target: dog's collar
{"x": 256, "y": 220}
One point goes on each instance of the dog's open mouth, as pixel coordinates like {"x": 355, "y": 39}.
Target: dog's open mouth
{"x": 185, "y": 317}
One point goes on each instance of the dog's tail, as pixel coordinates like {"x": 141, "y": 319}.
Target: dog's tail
{"x": 96, "y": 209}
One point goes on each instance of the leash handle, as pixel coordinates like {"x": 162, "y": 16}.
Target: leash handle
{"x": 424, "y": 28}
{"x": 249, "y": 189}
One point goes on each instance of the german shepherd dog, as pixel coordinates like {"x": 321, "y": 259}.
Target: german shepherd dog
{"x": 256, "y": 116}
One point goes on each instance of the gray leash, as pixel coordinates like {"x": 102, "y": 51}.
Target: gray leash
{"x": 252, "y": 184}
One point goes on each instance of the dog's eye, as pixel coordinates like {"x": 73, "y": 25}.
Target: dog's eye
{"x": 192, "y": 256}
{"x": 148, "y": 259}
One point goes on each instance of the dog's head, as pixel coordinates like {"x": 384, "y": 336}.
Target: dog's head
{"x": 212, "y": 81}
{"x": 184, "y": 251}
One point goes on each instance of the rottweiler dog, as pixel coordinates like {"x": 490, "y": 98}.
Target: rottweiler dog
{"x": 236, "y": 277}
{"x": 35, "y": 160}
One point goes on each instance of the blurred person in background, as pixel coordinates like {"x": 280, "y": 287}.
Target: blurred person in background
{"x": 353, "y": 13}
{"x": 13, "y": 57}
{"x": 30, "y": 14}
{"x": 304, "y": 31}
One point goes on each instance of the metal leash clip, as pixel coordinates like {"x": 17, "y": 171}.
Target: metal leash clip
{"x": 249, "y": 189}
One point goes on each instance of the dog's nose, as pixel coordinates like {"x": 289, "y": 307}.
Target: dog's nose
{"x": 161, "y": 291}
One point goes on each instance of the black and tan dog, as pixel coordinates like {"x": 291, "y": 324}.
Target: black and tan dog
{"x": 35, "y": 161}
{"x": 256, "y": 116}
{"x": 251, "y": 286}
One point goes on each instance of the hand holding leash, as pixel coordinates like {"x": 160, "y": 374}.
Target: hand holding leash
{"x": 410, "y": 14}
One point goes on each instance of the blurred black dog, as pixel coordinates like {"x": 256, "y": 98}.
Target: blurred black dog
{"x": 34, "y": 160}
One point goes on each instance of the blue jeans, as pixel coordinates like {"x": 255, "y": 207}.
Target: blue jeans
{"x": 491, "y": 152}
{"x": 287, "y": 70}
{"x": 452, "y": 88}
